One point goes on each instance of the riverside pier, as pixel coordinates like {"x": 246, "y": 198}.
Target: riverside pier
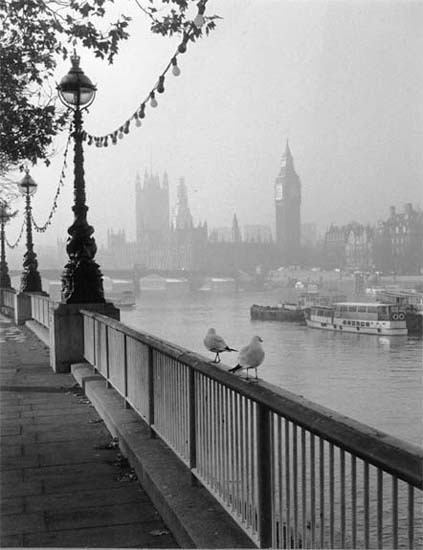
{"x": 226, "y": 463}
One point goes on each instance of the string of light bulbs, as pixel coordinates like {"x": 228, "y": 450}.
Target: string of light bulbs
{"x": 151, "y": 99}
{"x": 18, "y": 240}
{"x": 43, "y": 228}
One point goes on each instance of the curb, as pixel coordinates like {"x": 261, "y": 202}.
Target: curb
{"x": 194, "y": 517}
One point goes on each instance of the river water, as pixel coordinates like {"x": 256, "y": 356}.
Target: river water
{"x": 375, "y": 380}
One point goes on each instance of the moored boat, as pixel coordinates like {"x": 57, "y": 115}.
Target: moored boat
{"x": 360, "y": 317}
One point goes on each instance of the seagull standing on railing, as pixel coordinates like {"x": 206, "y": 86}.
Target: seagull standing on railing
{"x": 250, "y": 357}
{"x": 216, "y": 344}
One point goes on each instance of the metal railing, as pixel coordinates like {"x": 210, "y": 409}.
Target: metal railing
{"x": 293, "y": 474}
{"x": 40, "y": 305}
{"x": 7, "y": 299}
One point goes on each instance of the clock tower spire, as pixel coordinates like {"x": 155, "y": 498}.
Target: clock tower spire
{"x": 288, "y": 205}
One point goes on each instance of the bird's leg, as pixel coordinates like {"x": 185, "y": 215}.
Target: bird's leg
{"x": 218, "y": 357}
{"x": 256, "y": 372}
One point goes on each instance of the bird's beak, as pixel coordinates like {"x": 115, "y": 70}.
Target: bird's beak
{"x": 260, "y": 339}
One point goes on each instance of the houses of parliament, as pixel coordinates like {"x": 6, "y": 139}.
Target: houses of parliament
{"x": 168, "y": 243}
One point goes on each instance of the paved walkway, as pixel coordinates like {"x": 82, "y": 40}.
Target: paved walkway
{"x": 63, "y": 481}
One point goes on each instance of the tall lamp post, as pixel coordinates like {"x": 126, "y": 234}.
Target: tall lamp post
{"x": 82, "y": 280}
{"x": 5, "y": 216}
{"x": 30, "y": 280}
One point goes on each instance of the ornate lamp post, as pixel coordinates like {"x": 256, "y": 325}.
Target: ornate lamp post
{"x": 82, "y": 280}
{"x": 30, "y": 280}
{"x": 5, "y": 216}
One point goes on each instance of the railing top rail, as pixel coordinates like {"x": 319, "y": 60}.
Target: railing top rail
{"x": 393, "y": 455}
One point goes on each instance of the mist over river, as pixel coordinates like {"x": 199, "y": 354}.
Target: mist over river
{"x": 375, "y": 380}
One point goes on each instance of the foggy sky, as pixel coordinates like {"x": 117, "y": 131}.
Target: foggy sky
{"x": 342, "y": 81}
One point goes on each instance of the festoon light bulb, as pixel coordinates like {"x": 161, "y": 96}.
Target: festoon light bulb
{"x": 153, "y": 100}
{"x": 175, "y": 69}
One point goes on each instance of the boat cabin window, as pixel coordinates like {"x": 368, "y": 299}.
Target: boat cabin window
{"x": 383, "y": 310}
{"x": 362, "y": 309}
{"x": 344, "y": 308}
{"x": 352, "y": 309}
{"x": 371, "y": 309}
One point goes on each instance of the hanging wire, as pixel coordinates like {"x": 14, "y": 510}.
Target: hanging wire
{"x": 112, "y": 137}
{"x": 43, "y": 228}
{"x": 15, "y": 244}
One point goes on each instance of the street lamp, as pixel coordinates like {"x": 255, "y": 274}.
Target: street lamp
{"x": 30, "y": 280}
{"x": 5, "y": 216}
{"x": 82, "y": 280}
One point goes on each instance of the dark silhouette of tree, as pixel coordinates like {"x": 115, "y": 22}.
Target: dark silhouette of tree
{"x": 34, "y": 34}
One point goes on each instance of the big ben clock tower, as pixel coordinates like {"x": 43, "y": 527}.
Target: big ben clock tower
{"x": 288, "y": 215}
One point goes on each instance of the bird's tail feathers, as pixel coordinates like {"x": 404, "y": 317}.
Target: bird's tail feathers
{"x": 230, "y": 349}
{"x": 235, "y": 368}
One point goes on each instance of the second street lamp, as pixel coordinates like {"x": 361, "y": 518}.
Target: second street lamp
{"x": 30, "y": 280}
{"x": 82, "y": 280}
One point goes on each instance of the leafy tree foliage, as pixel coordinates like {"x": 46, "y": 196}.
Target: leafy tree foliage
{"x": 34, "y": 34}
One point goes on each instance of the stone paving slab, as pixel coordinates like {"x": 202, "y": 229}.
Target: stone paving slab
{"x": 63, "y": 480}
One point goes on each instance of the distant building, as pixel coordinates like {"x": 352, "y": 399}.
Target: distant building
{"x": 257, "y": 233}
{"x": 152, "y": 208}
{"x": 288, "y": 214}
{"x": 399, "y": 241}
{"x": 359, "y": 247}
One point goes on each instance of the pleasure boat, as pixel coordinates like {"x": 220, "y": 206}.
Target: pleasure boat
{"x": 360, "y": 317}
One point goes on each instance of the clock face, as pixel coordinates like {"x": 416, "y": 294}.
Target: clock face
{"x": 278, "y": 192}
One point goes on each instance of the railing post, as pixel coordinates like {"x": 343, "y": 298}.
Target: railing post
{"x": 264, "y": 476}
{"x": 125, "y": 371}
{"x": 191, "y": 423}
{"x": 151, "y": 391}
{"x": 108, "y": 385}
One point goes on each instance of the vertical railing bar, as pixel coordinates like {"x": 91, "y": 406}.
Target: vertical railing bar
{"x": 394, "y": 512}
{"x": 214, "y": 421}
{"x": 331, "y": 497}
{"x": 322, "y": 491}
{"x": 150, "y": 378}
{"x": 295, "y": 482}
{"x": 313, "y": 490}
{"x": 192, "y": 419}
{"x": 253, "y": 449}
{"x": 287, "y": 487}
{"x": 107, "y": 358}
{"x": 207, "y": 455}
{"x": 354, "y": 500}
{"x": 237, "y": 479}
{"x": 410, "y": 516}
{"x": 274, "y": 520}
{"x": 229, "y": 441}
{"x": 304, "y": 487}
{"x": 342, "y": 468}
{"x": 245, "y": 459}
{"x": 379, "y": 508}
{"x": 264, "y": 476}
{"x": 225, "y": 443}
{"x": 94, "y": 345}
{"x": 125, "y": 371}
{"x": 280, "y": 478}
{"x": 201, "y": 406}
{"x": 248, "y": 468}
{"x": 366, "y": 505}
{"x": 219, "y": 437}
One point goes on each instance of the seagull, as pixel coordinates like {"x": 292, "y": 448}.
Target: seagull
{"x": 250, "y": 357}
{"x": 216, "y": 344}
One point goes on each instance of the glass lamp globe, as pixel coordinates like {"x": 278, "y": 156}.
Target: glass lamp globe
{"x": 76, "y": 89}
{"x": 27, "y": 185}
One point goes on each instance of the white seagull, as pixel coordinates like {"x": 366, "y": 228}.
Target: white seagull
{"x": 250, "y": 357}
{"x": 216, "y": 344}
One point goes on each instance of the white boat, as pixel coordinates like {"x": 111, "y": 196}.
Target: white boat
{"x": 359, "y": 317}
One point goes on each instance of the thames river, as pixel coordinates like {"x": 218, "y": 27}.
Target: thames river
{"x": 375, "y": 380}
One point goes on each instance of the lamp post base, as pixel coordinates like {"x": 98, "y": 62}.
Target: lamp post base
{"x": 31, "y": 282}
{"x": 82, "y": 282}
